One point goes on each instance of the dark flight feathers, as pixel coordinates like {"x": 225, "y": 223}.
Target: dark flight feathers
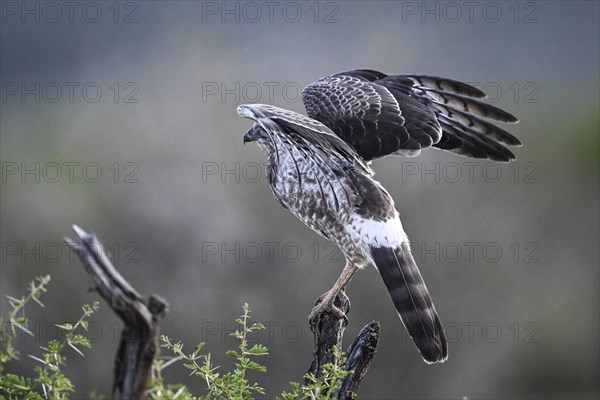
{"x": 379, "y": 114}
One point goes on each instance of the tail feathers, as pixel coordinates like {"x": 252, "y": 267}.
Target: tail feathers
{"x": 411, "y": 298}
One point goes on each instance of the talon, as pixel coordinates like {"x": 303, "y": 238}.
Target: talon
{"x": 326, "y": 305}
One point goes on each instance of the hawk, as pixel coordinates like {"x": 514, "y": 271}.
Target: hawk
{"x": 318, "y": 169}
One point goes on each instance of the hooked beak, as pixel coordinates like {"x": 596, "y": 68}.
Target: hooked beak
{"x": 253, "y": 134}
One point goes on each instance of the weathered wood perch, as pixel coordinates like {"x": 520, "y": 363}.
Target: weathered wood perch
{"x": 359, "y": 357}
{"x": 328, "y": 332}
{"x": 139, "y": 337}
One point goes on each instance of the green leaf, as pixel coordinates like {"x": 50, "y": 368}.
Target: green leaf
{"x": 84, "y": 324}
{"x": 66, "y": 327}
{"x": 80, "y": 340}
{"x": 237, "y": 334}
{"x": 232, "y": 353}
{"x": 258, "y": 326}
{"x": 256, "y": 366}
{"x": 258, "y": 350}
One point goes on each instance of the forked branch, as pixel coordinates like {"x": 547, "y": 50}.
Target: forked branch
{"x": 139, "y": 337}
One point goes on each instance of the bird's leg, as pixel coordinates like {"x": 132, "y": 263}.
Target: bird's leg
{"x": 328, "y": 298}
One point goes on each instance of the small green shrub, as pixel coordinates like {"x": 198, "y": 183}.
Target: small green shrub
{"x": 49, "y": 381}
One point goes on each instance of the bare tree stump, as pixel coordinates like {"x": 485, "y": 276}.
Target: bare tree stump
{"x": 139, "y": 337}
{"x": 328, "y": 332}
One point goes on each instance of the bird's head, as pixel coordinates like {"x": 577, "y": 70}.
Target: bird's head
{"x": 255, "y": 133}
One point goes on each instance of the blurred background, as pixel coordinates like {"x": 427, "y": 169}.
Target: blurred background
{"x": 120, "y": 117}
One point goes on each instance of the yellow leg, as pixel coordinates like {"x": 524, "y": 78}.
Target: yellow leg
{"x": 326, "y": 304}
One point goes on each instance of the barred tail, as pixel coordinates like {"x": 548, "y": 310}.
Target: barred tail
{"x": 411, "y": 298}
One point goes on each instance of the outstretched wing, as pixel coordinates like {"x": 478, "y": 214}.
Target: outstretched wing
{"x": 379, "y": 114}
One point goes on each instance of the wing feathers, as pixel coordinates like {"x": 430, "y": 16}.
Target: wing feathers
{"x": 379, "y": 114}
{"x": 479, "y": 125}
{"x": 469, "y": 105}
{"x": 480, "y": 146}
{"x": 446, "y": 85}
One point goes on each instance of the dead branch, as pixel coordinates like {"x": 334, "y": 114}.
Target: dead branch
{"x": 139, "y": 337}
{"x": 328, "y": 332}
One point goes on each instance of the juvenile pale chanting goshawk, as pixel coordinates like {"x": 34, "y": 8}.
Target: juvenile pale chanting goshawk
{"x": 318, "y": 170}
